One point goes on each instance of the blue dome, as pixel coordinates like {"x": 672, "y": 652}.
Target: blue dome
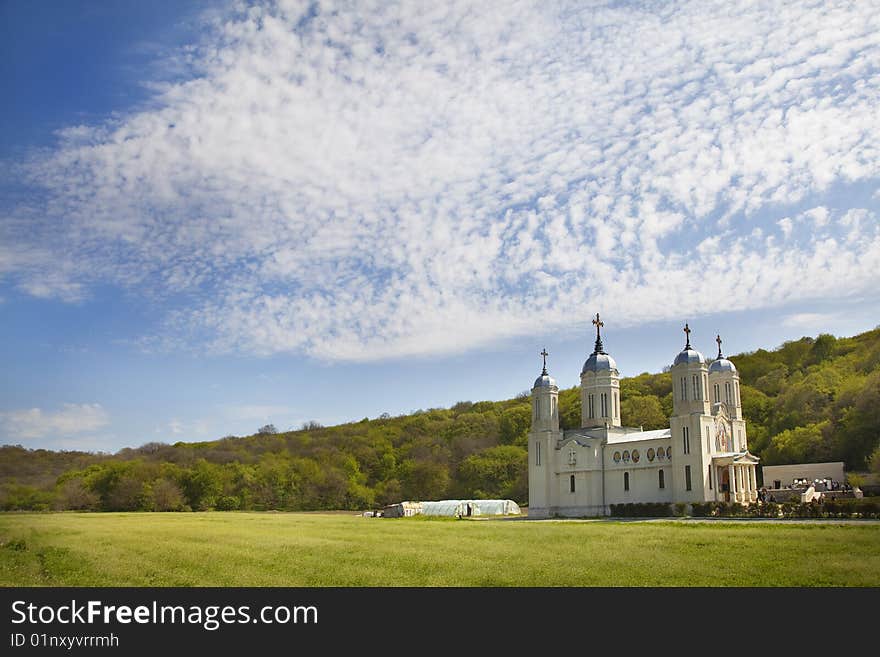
{"x": 544, "y": 381}
{"x": 722, "y": 365}
{"x": 689, "y": 356}
{"x": 599, "y": 363}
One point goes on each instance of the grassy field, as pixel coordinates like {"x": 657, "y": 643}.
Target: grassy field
{"x": 287, "y": 549}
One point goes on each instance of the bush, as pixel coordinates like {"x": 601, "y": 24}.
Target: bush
{"x": 641, "y": 510}
{"x": 228, "y": 503}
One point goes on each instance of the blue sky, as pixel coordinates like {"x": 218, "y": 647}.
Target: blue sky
{"x": 217, "y": 216}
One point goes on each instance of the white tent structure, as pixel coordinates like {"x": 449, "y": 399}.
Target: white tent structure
{"x": 466, "y": 508}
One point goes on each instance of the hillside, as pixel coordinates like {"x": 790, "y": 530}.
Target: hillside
{"x": 813, "y": 399}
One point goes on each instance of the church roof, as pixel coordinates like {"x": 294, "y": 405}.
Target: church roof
{"x": 599, "y": 363}
{"x": 544, "y": 381}
{"x": 689, "y": 355}
{"x": 722, "y": 365}
{"x": 635, "y": 434}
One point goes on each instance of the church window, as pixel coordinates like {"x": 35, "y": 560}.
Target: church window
{"x": 727, "y": 392}
{"x": 604, "y": 403}
{"x": 705, "y": 387}
{"x": 685, "y": 441}
{"x": 708, "y": 440}
{"x": 717, "y": 393}
{"x": 710, "y": 477}
{"x": 538, "y": 453}
{"x": 552, "y": 406}
{"x": 696, "y": 389}
{"x": 736, "y": 400}
{"x": 626, "y": 481}
{"x": 687, "y": 477}
{"x": 537, "y": 409}
{"x": 614, "y": 401}
{"x": 684, "y": 389}
{"x": 662, "y": 479}
{"x": 571, "y": 484}
{"x": 592, "y": 405}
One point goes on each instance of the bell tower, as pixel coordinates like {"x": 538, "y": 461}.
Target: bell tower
{"x": 543, "y": 438}
{"x": 600, "y": 386}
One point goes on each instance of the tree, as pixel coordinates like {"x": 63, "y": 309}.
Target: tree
{"x": 644, "y": 411}
{"x": 73, "y": 495}
{"x": 497, "y": 472}
{"x": 874, "y": 461}
{"x": 166, "y": 495}
{"x": 514, "y": 424}
{"x": 267, "y": 429}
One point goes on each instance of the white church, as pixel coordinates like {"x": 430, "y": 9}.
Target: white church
{"x": 702, "y": 456}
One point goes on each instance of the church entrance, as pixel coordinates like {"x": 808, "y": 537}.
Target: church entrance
{"x": 725, "y": 484}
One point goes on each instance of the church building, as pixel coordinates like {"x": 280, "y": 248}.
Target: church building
{"x": 702, "y": 456}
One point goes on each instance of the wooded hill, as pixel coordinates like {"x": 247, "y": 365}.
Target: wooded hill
{"x": 814, "y": 399}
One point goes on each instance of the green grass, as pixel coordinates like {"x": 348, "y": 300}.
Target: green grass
{"x": 290, "y": 549}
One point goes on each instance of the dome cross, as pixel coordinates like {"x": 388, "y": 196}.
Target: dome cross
{"x": 598, "y": 323}
{"x": 687, "y": 332}
{"x": 719, "y": 341}
{"x": 544, "y": 354}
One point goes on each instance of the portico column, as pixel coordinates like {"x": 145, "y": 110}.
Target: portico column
{"x": 741, "y": 484}
{"x": 731, "y": 480}
{"x": 754, "y": 472}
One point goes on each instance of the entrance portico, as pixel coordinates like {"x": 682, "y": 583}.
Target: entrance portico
{"x": 737, "y": 475}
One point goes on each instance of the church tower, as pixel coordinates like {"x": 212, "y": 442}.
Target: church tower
{"x": 692, "y": 426}
{"x": 600, "y": 386}
{"x": 724, "y": 394}
{"x": 543, "y": 438}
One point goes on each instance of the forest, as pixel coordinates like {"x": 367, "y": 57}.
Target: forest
{"x": 812, "y": 399}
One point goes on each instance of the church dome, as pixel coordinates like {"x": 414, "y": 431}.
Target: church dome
{"x": 689, "y": 356}
{"x": 599, "y": 362}
{"x": 722, "y": 365}
{"x": 544, "y": 381}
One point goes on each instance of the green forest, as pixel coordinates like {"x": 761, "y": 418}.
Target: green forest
{"x": 813, "y": 399}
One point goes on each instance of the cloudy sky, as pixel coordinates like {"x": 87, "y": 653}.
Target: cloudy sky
{"x": 217, "y": 216}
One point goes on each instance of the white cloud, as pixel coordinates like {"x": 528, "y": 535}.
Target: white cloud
{"x": 406, "y": 179}
{"x": 71, "y": 419}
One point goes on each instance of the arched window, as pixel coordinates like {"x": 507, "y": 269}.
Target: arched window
{"x": 538, "y": 453}
{"x": 696, "y": 389}
{"x": 685, "y": 440}
{"x": 687, "y": 477}
{"x": 592, "y": 404}
{"x": 662, "y": 479}
{"x": 626, "y": 481}
{"x": 727, "y": 392}
{"x": 717, "y": 393}
{"x": 571, "y": 484}
{"x": 684, "y": 389}
{"x": 537, "y": 408}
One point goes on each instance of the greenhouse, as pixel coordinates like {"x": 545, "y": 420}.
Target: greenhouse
{"x": 467, "y": 508}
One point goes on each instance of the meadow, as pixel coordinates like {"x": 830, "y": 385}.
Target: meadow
{"x": 341, "y": 549}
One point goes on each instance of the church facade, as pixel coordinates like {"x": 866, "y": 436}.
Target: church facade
{"x": 702, "y": 456}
